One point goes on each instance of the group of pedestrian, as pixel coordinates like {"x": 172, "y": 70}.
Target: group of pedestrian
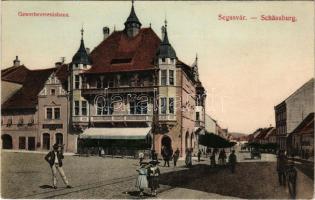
{"x": 287, "y": 173}
{"x": 232, "y": 160}
{"x": 148, "y": 177}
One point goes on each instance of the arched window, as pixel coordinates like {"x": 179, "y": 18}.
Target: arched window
{"x": 59, "y": 138}
{"x": 46, "y": 141}
{"x": 6, "y": 141}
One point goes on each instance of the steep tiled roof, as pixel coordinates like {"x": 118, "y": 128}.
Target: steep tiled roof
{"x": 166, "y": 50}
{"x": 132, "y": 17}
{"x": 263, "y": 133}
{"x": 14, "y": 74}
{"x": 120, "y": 53}
{"x": 26, "y": 97}
{"x": 62, "y": 73}
{"x": 306, "y": 126}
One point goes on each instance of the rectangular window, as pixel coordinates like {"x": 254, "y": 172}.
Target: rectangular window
{"x": 197, "y": 116}
{"x": 163, "y": 77}
{"x": 171, "y": 105}
{"x": 52, "y": 92}
{"x": 49, "y": 113}
{"x": 132, "y": 107}
{"x": 22, "y": 142}
{"x": 163, "y": 105}
{"x": 77, "y": 82}
{"x": 76, "y": 107}
{"x": 171, "y": 77}
{"x": 84, "y": 108}
{"x": 57, "y": 113}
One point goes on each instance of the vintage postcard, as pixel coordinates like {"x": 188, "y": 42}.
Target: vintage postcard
{"x": 157, "y": 99}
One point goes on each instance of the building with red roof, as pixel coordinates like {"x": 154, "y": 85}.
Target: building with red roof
{"x": 134, "y": 79}
{"x": 131, "y": 92}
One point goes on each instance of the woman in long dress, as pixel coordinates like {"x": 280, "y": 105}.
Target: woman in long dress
{"x": 142, "y": 181}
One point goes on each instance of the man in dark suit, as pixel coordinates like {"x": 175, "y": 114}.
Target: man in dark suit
{"x": 54, "y": 158}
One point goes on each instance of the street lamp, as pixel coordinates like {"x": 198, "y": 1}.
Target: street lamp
{"x": 154, "y": 121}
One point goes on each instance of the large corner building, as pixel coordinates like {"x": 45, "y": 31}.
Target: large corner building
{"x": 131, "y": 92}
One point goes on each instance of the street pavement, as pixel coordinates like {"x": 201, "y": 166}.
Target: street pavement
{"x": 27, "y": 175}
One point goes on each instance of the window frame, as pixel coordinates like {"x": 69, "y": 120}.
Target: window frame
{"x": 163, "y": 77}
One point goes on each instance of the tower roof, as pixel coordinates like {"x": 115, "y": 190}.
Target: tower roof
{"x": 132, "y": 16}
{"x": 166, "y": 50}
{"x": 81, "y": 56}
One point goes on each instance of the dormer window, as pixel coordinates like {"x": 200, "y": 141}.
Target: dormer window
{"x": 52, "y": 92}
{"x": 163, "y": 59}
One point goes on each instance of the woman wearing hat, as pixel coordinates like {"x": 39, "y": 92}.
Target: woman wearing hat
{"x": 153, "y": 176}
{"x": 54, "y": 158}
{"x": 142, "y": 181}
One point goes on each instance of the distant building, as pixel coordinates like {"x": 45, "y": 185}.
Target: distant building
{"x": 281, "y": 124}
{"x": 210, "y": 125}
{"x": 303, "y": 138}
{"x": 292, "y": 111}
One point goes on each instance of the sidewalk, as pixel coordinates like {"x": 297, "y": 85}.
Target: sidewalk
{"x": 183, "y": 193}
{"x": 33, "y": 152}
{"x": 304, "y": 186}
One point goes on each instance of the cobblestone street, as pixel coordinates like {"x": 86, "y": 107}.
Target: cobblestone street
{"x": 27, "y": 175}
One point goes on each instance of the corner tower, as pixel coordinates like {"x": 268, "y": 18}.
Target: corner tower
{"x": 79, "y": 106}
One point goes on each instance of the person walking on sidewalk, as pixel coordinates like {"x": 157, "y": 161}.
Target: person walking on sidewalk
{"x": 54, "y": 158}
{"x": 212, "y": 159}
{"x": 232, "y": 161}
{"x": 199, "y": 155}
{"x": 281, "y": 167}
{"x": 291, "y": 175}
{"x": 176, "y": 156}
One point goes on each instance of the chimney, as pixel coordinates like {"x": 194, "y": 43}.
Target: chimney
{"x": 163, "y": 32}
{"x": 105, "y": 32}
{"x": 87, "y": 50}
{"x": 16, "y": 62}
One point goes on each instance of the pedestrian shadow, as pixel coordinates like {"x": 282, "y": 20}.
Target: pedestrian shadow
{"x": 254, "y": 180}
{"x": 137, "y": 193}
{"x": 46, "y": 187}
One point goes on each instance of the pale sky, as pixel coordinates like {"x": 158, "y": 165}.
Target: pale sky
{"x": 247, "y": 67}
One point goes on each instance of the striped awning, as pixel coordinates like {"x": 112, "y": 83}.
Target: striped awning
{"x": 116, "y": 133}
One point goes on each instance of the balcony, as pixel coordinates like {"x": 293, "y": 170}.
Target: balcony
{"x": 122, "y": 118}
{"x": 117, "y": 90}
{"x": 80, "y": 119}
{"x": 170, "y": 117}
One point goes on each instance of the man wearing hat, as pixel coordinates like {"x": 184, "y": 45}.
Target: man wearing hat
{"x": 54, "y": 158}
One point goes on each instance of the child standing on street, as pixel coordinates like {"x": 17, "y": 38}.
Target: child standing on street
{"x": 153, "y": 176}
{"x": 142, "y": 181}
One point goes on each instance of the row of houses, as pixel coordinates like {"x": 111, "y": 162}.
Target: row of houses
{"x": 263, "y": 136}
{"x": 130, "y": 92}
{"x": 295, "y": 122}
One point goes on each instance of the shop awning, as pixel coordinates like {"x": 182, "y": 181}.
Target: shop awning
{"x": 116, "y": 133}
